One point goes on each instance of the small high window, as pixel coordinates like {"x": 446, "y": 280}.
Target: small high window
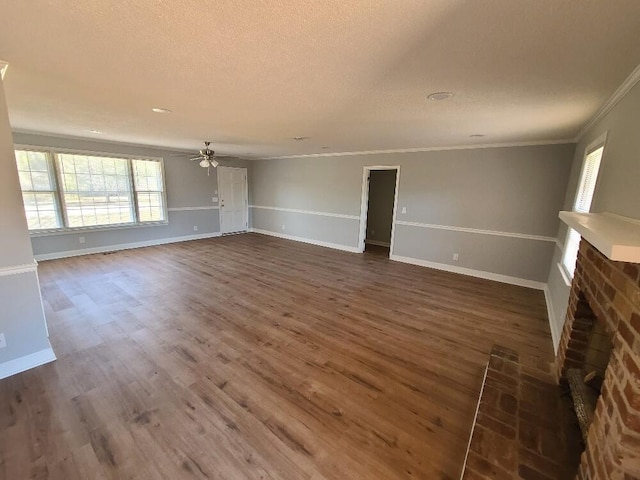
{"x": 582, "y": 203}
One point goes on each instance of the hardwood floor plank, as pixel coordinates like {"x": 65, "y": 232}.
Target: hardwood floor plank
{"x": 250, "y": 357}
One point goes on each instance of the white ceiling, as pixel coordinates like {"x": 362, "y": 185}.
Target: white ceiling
{"x": 351, "y": 75}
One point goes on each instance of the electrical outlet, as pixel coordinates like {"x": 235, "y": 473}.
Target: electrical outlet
{"x": 214, "y": 199}
{"x": 283, "y": 227}
{"x": 455, "y": 256}
{"x": 3, "y": 341}
{"x": 81, "y": 239}
{"x": 404, "y": 209}
{"x": 195, "y": 228}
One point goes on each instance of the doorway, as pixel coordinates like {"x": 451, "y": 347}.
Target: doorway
{"x": 234, "y": 201}
{"x": 378, "y": 209}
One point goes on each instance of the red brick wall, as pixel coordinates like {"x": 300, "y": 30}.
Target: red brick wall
{"x": 610, "y": 291}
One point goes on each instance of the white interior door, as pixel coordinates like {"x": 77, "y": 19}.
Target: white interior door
{"x": 234, "y": 208}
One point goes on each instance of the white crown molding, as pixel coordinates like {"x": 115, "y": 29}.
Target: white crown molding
{"x": 3, "y": 69}
{"x": 17, "y": 269}
{"x": 426, "y": 149}
{"x": 618, "y": 95}
{"x": 319, "y": 243}
{"x": 477, "y": 230}
{"x": 124, "y": 246}
{"x": 189, "y": 209}
{"x": 63, "y": 136}
{"x": 27, "y": 362}
{"x": 307, "y": 212}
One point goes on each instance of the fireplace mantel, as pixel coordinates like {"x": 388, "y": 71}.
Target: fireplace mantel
{"x": 616, "y": 237}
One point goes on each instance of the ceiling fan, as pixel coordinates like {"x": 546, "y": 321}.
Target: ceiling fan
{"x": 206, "y": 158}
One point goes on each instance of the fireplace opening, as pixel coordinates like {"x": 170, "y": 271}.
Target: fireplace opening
{"x": 591, "y": 346}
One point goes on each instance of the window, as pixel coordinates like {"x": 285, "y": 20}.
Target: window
{"x": 582, "y": 203}
{"x": 93, "y": 190}
{"x": 147, "y": 177}
{"x": 38, "y": 190}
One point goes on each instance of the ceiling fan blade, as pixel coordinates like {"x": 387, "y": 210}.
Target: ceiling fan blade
{"x": 214, "y": 163}
{"x": 196, "y": 158}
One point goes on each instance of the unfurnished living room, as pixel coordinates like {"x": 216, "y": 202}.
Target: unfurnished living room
{"x": 303, "y": 240}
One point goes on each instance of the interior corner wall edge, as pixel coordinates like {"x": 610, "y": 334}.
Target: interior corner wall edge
{"x": 22, "y": 318}
{"x": 22, "y": 323}
{"x": 189, "y": 194}
{"x": 617, "y": 187}
{"x": 521, "y": 190}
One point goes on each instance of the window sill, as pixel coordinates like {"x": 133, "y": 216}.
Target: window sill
{"x": 99, "y": 228}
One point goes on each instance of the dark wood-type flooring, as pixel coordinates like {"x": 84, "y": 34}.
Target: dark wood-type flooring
{"x": 250, "y": 357}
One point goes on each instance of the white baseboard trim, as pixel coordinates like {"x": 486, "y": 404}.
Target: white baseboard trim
{"x": 319, "y": 243}
{"x": 123, "y": 246}
{"x": 26, "y": 362}
{"x": 553, "y": 324}
{"x": 378, "y": 243}
{"x": 522, "y": 282}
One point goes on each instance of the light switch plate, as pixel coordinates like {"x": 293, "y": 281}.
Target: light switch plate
{"x": 214, "y": 199}
{"x": 404, "y": 209}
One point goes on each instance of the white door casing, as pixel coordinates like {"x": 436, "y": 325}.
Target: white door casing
{"x": 364, "y": 204}
{"x": 234, "y": 202}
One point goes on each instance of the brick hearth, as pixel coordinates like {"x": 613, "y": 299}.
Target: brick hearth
{"x": 608, "y": 292}
{"x": 524, "y": 426}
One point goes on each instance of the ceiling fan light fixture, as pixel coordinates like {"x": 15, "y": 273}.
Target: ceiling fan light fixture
{"x": 214, "y": 162}
{"x": 204, "y": 163}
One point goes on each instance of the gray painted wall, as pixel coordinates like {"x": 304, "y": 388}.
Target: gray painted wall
{"x": 617, "y": 187}
{"x": 511, "y": 189}
{"x": 21, "y": 316}
{"x": 187, "y": 186}
{"x": 382, "y": 189}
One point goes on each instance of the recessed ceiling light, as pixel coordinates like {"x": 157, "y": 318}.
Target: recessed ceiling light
{"x": 325, "y": 148}
{"x": 477, "y": 135}
{"x": 300, "y": 139}
{"x": 436, "y": 96}
{"x": 93, "y": 130}
{"x": 160, "y": 110}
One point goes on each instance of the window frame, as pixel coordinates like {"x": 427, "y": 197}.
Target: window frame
{"x": 600, "y": 142}
{"x": 53, "y": 179}
{"x": 163, "y": 196}
{"x": 53, "y": 152}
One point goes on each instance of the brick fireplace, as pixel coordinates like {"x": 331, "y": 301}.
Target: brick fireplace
{"x": 602, "y": 332}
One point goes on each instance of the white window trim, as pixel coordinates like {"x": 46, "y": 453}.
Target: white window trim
{"x": 53, "y": 151}
{"x": 600, "y": 141}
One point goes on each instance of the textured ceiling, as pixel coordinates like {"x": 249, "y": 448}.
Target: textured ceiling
{"x": 351, "y": 75}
